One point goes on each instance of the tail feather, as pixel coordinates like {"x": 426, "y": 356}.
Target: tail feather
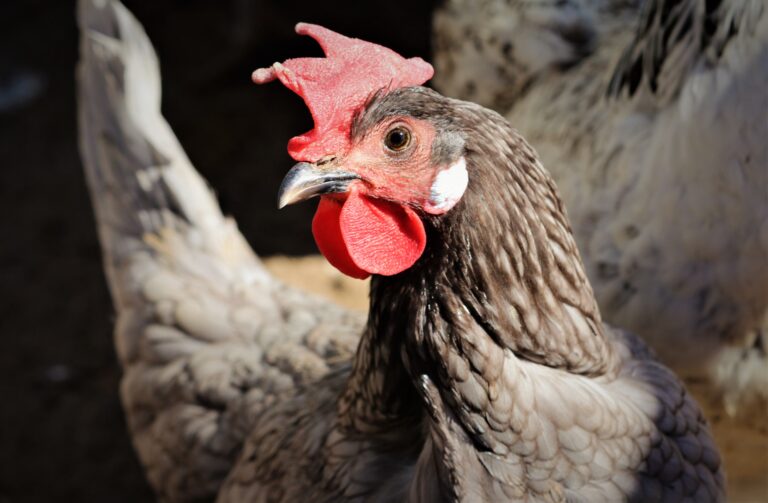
{"x": 139, "y": 175}
{"x": 140, "y": 179}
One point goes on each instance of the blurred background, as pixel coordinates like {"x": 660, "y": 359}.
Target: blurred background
{"x": 62, "y": 433}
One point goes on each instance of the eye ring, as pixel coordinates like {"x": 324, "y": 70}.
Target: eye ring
{"x": 397, "y": 139}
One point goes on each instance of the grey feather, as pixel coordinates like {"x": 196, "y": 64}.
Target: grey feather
{"x": 482, "y": 374}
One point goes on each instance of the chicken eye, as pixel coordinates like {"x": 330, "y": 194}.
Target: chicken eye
{"x": 397, "y": 139}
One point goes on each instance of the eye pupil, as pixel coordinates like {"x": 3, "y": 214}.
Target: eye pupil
{"x": 398, "y": 139}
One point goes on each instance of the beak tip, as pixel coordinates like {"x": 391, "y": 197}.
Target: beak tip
{"x": 305, "y": 180}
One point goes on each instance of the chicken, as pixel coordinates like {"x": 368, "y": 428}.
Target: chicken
{"x": 656, "y": 139}
{"x": 483, "y": 371}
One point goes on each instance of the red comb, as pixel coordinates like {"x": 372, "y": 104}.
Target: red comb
{"x": 336, "y": 86}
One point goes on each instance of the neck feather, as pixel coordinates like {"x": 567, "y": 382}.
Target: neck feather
{"x": 501, "y": 272}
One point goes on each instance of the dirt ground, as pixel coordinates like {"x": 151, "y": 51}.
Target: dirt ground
{"x": 62, "y": 433}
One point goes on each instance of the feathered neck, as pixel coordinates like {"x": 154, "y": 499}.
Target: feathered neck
{"x": 500, "y": 269}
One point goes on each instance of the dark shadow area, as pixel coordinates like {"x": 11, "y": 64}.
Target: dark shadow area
{"x": 62, "y": 433}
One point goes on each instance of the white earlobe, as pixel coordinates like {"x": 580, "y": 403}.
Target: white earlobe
{"x": 447, "y": 188}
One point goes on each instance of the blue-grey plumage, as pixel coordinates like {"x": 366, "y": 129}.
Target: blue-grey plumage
{"x": 484, "y": 372}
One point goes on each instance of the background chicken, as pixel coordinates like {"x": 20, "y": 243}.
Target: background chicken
{"x": 504, "y": 384}
{"x": 653, "y": 122}
{"x": 207, "y": 337}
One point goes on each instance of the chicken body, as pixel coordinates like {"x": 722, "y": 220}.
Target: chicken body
{"x": 483, "y": 372}
{"x": 657, "y": 141}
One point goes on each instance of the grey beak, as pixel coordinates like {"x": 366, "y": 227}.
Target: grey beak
{"x": 306, "y": 180}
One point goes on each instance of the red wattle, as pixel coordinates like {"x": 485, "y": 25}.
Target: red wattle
{"x": 362, "y": 235}
{"x": 326, "y": 227}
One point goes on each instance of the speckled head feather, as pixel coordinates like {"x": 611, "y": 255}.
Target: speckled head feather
{"x": 337, "y": 86}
